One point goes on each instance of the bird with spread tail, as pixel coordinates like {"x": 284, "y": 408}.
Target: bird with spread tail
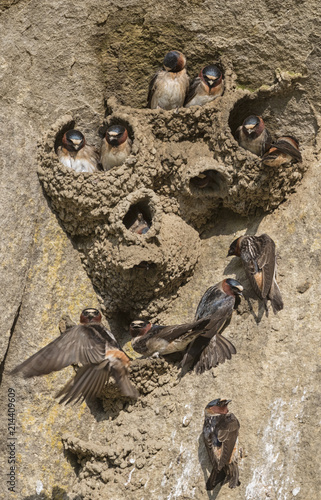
{"x": 220, "y": 433}
{"x": 259, "y": 260}
{"x": 216, "y": 305}
{"x": 169, "y": 85}
{"x": 115, "y": 147}
{"x": 75, "y": 153}
{"x": 284, "y": 150}
{"x": 92, "y": 345}
{"x": 206, "y": 87}
{"x": 253, "y": 135}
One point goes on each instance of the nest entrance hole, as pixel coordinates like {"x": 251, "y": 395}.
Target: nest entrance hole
{"x": 138, "y": 215}
{"x": 208, "y": 179}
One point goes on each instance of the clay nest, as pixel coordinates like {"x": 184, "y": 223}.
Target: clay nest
{"x": 171, "y": 154}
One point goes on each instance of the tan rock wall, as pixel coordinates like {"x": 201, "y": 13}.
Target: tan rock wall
{"x": 60, "y": 59}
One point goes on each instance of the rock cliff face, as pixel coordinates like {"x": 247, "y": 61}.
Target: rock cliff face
{"x": 89, "y": 63}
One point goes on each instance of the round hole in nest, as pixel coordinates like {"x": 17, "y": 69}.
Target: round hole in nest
{"x": 208, "y": 179}
{"x": 139, "y": 214}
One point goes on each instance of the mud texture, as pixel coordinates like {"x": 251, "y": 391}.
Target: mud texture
{"x": 65, "y": 244}
{"x": 159, "y": 179}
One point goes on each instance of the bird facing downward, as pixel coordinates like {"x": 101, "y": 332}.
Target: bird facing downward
{"x": 76, "y": 154}
{"x": 253, "y": 136}
{"x": 206, "y": 87}
{"x": 168, "y": 87}
{"x": 258, "y": 257}
{"x": 220, "y": 433}
{"x": 92, "y": 345}
{"x": 115, "y": 147}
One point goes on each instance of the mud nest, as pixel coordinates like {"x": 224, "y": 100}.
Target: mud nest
{"x": 171, "y": 154}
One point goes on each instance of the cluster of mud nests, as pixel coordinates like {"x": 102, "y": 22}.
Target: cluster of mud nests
{"x": 161, "y": 180}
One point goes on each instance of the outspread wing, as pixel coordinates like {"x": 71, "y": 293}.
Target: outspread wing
{"x": 90, "y": 380}
{"x": 81, "y": 344}
{"x": 216, "y": 352}
{"x": 173, "y": 332}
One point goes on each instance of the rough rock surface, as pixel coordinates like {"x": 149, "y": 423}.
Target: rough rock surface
{"x": 61, "y": 60}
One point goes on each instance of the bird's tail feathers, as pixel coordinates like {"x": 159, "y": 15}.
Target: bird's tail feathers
{"x": 275, "y": 298}
{"x": 215, "y": 478}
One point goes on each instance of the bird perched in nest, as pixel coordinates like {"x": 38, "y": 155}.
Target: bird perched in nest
{"x": 258, "y": 257}
{"x": 92, "y": 345}
{"x": 216, "y": 305}
{"x": 140, "y": 225}
{"x": 284, "y": 150}
{"x": 220, "y": 433}
{"x": 76, "y": 154}
{"x": 115, "y": 147}
{"x": 253, "y": 136}
{"x": 168, "y": 87}
{"x": 206, "y": 87}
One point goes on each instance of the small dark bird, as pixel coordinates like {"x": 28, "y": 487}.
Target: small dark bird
{"x": 139, "y": 226}
{"x": 115, "y": 147}
{"x": 284, "y": 150}
{"x": 216, "y": 305}
{"x": 151, "y": 339}
{"x": 258, "y": 257}
{"x": 76, "y": 154}
{"x": 220, "y": 433}
{"x": 206, "y": 87}
{"x": 168, "y": 87}
{"x": 92, "y": 345}
{"x": 253, "y": 136}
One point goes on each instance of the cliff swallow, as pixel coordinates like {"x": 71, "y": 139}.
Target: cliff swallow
{"x": 92, "y": 345}
{"x": 220, "y": 433}
{"x": 150, "y": 339}
{"x": 76, "y": 154}
{"x": 168, "y": 87}
{"x": 284, "y": 150}
{"x": 206, "y": 87}
{"x": 139, "y": 226}
{"x": 115, "y": 147}
{"x": 258, "y": 256}
{"x": 253, "y": 136}
{"x": 216, "y": 305}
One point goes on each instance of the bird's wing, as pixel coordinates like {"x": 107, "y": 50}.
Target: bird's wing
{"x": 266, "y": 262}
{"x": 90, "y": 380}
{"x": 80, "y": 344}
{"x": 210, "y": 303}
{"x": 227, "y": 431}
{"x": 173, "y": 332}
{"x": 266, "y": 142}
{"x": 287, "y": 148}
{"x": 152, "y": 88}
{"x": 192, "y": 90}
{"x": 216, "y": 352}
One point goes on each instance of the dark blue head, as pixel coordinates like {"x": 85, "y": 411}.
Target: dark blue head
{"x": 73, "y": 140}
{"x": 218, "y": 402}
{"x": 174, "y": 61}
{"x": 212, "y": 75}
{"x": 116, "y": 135}
{"x": 235, "y": 286}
